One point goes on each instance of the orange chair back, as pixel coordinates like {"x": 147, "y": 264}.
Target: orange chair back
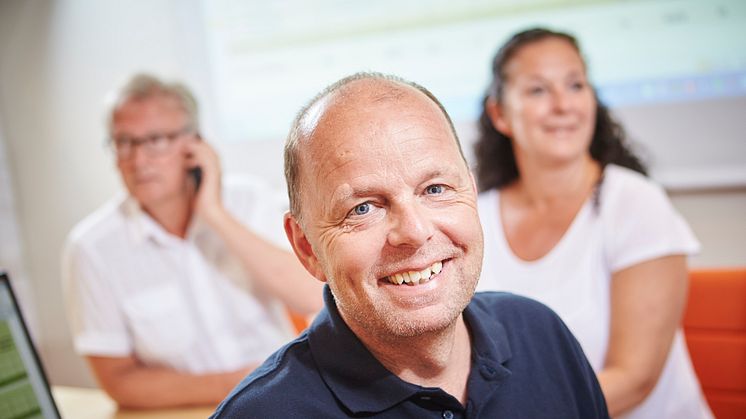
{"x": 300, "y": 323}
{"x": 715, "y": 329}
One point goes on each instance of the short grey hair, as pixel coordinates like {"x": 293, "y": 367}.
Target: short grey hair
{"x": 144, "y": 86}
{"x": 292, "y": 144}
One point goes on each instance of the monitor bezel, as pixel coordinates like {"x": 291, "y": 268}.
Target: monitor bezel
{"x": 5, "y": 279}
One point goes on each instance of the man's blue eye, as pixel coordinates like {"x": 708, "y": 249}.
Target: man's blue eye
{"x": 362, "y": 209}
{"x": 435, "y": 189}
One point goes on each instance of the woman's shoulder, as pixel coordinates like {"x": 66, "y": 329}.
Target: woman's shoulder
{"x": 619, "y": 177}
{"x": 640, "y": 221}
{"x": 622, "y": 187}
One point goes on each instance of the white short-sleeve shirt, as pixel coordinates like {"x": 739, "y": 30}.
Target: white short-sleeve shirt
{"x": 132, "y": 288}
{"x": 633, "y": 222}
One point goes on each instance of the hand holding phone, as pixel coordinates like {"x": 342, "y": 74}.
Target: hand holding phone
{"x": 203, "y": 172}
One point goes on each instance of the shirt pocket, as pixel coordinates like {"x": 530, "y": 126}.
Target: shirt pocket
{"x": 161, "y": 325}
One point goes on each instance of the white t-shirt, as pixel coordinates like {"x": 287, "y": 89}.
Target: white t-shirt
{"x": 187, "y": 304}
{"x": 634, "y": 222}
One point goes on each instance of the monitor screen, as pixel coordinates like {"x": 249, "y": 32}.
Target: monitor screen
{"x": 24, "y": 390}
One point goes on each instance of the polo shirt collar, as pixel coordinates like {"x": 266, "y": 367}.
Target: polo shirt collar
{"x": 490, "y": 351}
{"x": 355, "y": 376}
{"x": 488, "y": 335}
{"x": 360, "y": 382}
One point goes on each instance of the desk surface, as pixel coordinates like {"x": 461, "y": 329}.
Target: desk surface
{"x": 89, "y": 403}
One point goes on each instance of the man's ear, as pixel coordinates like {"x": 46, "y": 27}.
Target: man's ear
{"x": 302, "y": 247}
{"x": 497, "y": 116}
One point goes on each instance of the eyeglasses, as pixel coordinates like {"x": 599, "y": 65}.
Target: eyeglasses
{"x": 153, "y": 144}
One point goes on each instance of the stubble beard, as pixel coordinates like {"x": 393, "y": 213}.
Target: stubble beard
{"x": 385, "y": 321}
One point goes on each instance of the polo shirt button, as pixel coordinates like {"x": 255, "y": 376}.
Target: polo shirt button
{"x": 447, "y": 414}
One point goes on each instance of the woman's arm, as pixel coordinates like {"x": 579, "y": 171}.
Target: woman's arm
{"x": 647, "y": 302}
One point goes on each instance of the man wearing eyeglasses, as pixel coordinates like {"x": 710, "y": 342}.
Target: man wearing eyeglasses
{"x": 176, "y": 290}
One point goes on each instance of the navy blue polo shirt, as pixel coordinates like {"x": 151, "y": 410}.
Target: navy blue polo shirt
{"x": 525, "y": 364}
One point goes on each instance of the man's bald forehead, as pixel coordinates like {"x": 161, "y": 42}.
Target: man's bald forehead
{"x": 347, "y": 97}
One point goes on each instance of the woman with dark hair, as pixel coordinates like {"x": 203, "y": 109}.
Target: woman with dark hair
{"x": 571, "y": 220}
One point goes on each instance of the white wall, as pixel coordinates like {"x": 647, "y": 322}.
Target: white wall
{"x": 11, "y": 248}
{"x": 58, "y": 61}
{"x": 718, "y": 218}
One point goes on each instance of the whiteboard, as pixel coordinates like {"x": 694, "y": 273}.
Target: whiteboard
{"x": 674, "y": 71}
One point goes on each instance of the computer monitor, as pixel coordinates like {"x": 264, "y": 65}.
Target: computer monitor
{"x": 24, "y": 389}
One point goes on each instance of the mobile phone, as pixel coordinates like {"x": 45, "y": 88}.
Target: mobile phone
{"x": 195, "y": 173}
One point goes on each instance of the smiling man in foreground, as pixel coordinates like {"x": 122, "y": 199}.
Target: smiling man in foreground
{"x": 383, "y": 209}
